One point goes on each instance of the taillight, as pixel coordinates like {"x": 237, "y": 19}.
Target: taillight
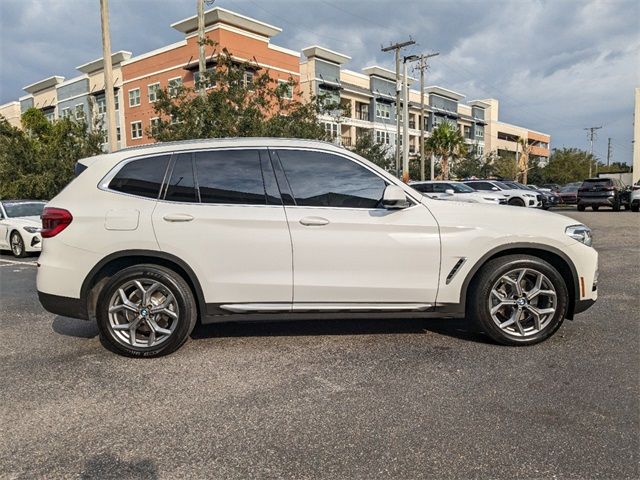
{"x": 54, "y": 220}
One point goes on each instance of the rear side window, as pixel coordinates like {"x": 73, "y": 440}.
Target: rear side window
{"x": 423, "y": 187}
{"x": 230, "y": 177}
{"x": 320, "y": 179}
{"x": 141, "y": 177}
{"x": 481, "y": 185}
{"x": 181, "y": 186}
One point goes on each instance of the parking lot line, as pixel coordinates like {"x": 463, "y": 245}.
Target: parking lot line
{"x": 8, "y": 263}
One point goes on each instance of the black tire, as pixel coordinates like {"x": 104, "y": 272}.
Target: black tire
{"x": 595, "y": 208}
{"x": 17, "y": 245}
{"x": 581, "y": 208}
{"x": 175, "y": 284}
{"x": 635, "y": 207}
{"x": 616, "y": 205}
{"x": 516, "y": 202}
{"x": 487, "y": 277}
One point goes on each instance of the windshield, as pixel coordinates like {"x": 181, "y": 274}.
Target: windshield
{"x": 503, "y": 185}
{"x": 23, "y": 209}
{"x": 569, "y": 188}
{"x": 461, "y": 188}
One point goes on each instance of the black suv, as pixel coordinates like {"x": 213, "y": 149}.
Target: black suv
{"x": 603, "y": 192}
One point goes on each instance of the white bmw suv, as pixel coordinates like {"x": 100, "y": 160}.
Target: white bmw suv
{"x": 148, "y": 241}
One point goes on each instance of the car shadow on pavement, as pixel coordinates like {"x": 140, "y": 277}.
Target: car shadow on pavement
{"x": 73, "y": 327}
{"x": 455, "y": 328}
{"x": 106, "y": 466}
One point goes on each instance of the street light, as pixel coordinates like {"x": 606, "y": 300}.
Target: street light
{"x": 405, "y": 117}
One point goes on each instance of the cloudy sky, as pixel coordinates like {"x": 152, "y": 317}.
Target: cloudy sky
{"x": 556, "y": 66}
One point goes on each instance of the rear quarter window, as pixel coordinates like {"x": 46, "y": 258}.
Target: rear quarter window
{"x": 141, "y": 177}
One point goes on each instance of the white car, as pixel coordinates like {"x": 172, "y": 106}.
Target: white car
{"x": 458, "y": 191}
{"x": 147, "y": 241}
{"x": 20, "y": 226}
{"x": 515, "y": 197}
{"x": 634, "y": 200}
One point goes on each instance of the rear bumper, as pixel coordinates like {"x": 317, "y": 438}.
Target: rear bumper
{"x": 63, "y": 306}
{"x": 604, "y": 201}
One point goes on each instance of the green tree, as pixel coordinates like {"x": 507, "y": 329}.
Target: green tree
{"x": 244, "y": 101}
{"x": 39, "y": 161}
{"x": 373, "y": 151}
{"x": 447, "y": 143}
{"x": 505, "y": 166}
{"x": 568, "y": 165}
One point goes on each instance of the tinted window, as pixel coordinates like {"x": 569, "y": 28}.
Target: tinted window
{"x": 440, "y": 187}
{"x": 181, "y": 186}
{"x": 423, "y": 187}
{"x": 481, "y": 185}
{"x": 230, "y": 176}
{"x": 141, "y": 177}
{"x": 320, "y": 179}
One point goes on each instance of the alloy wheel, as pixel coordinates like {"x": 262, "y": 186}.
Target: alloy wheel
{"x": 143, "y": 313}
{"x": 17, "y": 245}
{"x": 522, "y": 302}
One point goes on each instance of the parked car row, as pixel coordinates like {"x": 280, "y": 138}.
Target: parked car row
{"x": 20, "y": 226}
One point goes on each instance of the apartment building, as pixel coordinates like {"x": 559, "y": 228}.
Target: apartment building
{"x": 175, "y": 65}
{"x": 80, "y": 97}
{"x": 11, "y": 112}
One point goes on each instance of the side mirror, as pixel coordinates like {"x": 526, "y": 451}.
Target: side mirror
{"x": 449, "y": 191}
{"x": 394, "y": 198}
{"x": 495, "y": 189}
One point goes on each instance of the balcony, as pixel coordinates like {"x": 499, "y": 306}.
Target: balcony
{"x": 345, "y": 140}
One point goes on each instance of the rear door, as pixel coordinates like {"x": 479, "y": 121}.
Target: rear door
{"x": 349, "y": 252}
{"x": 221, "y": 213}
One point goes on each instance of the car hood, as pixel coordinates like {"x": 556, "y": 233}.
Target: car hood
{"x": 521, "y": 224}
{"x": 25, "y": 221}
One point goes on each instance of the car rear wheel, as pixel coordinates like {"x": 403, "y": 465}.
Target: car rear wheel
{"x": 516, "y": 202}
{"x": 145, "y": 311}
{"x": 616, "y": 205}
{"x": 596, "y": 208}
{"x": 17, "y": 245}
{"x": 519, "y": 300}
{"x": 581, "y": 208}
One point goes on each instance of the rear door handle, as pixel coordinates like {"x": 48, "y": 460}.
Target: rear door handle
{"x": 314, "y": 221}
{"x": 178, "y": 217}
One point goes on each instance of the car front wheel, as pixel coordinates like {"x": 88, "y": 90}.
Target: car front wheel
{"x": 519, "y": 300}
{"x": 516, "y": 202}
{"x": 145, "y": 311}
{"x": 17, "y": 245}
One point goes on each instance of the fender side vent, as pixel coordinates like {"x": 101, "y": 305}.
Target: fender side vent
{"x": 455, "y": 269}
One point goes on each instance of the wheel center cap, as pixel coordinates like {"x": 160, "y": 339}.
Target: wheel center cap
{"x": 144, "y": 312}
{"x": 521, "y": 302}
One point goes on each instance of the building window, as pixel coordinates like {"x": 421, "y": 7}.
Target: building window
{"x": 134, "y": 97}
{"x": 117, "y": 100}
{"x": 136, "y": 130}
{"x": 152, "y": 91}
{"x": 479, "y": 132}
{"x": 331, "y": 129}
{"x": 383, "y": 110}
{"x": 101, "y": 104}
{"x": 66, "y": 112}
{"x": 118, "y": 134}
{"x": 287, "y": 89}
{"x": 383, "y": 137}
{"x": 79, "y": 112}
{"x": 247, "y": 79}
{"x": 174, "y": 86}
{"x": 208, "y": 79}
{"x": 155, "y": 124}
{"x": 50, "y": 116}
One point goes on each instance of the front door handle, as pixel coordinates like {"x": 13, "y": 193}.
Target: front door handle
{"x": 178, "y": 217}
{"x": 314, "y": 221}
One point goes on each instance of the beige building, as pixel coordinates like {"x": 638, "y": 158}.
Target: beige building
{"x": 636, "y": 137}
{"x": 370, "y": 100}
{"x": 11, "y": 112}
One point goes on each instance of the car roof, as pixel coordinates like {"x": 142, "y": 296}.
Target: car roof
{"x": 422, "y": 182}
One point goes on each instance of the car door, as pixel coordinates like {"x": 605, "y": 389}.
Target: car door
{"x": 221, "y": 213}
{"x": 349, "y": 252}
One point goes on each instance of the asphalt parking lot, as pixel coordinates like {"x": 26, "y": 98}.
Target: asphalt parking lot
{"x": 301, "y": 400}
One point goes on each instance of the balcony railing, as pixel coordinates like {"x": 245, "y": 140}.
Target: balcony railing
{"x": 345, "y": 140}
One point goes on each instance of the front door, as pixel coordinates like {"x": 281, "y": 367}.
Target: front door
{"x": 347, "y": 249}
{"x": 222, "y": 214}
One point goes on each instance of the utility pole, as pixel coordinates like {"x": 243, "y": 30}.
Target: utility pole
{"x": 609, "y": 151}
{"x": 202, "y": 63}
{"x": 592, "y": 136}
{"x": 397, "y": 47}
{"x": 112, "y": 141}
{"x": 423, "y": 66}
{"x": 405, "y": 123}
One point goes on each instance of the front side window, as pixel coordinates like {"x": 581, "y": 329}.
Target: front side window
{"x": 423, "y": 187}
{"x": 141, "y": 177}
{"x": 320, "y": 179}
{"x": 485, "y": 186}
{"x": 230, "y": 177}
{"x": 134, "y": 97}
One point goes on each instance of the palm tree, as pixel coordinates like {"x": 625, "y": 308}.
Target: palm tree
{"x": 447, "y": 143}
{"x": 523, "y": 159}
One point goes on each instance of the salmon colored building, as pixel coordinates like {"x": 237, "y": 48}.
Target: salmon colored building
{"x": 247, "y": 39}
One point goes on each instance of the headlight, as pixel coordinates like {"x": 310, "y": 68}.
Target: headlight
{"x": 32, "y": 229}
{"x": 582, "y": 233}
